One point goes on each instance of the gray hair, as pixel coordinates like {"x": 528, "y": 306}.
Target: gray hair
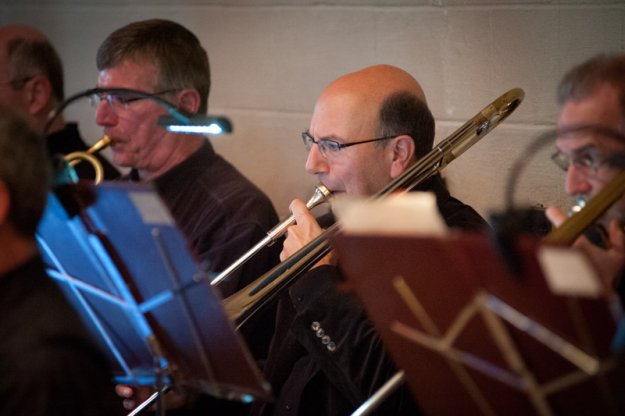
{"x": 584, "y": 79}
{"x": 180, "y": 59}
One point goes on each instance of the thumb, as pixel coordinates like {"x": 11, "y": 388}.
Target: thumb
{"x": 555, "y": 216}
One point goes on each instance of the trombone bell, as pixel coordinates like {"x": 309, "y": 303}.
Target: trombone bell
{"x": 74, "y": 158}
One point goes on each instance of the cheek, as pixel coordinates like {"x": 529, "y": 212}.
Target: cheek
{"x": 357, "y": 178}
{"x": 16, "y": 102}
{"x": 602, "y": 179}
{"x": 138, "y": 129}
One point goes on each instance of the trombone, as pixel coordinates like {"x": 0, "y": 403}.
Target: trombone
{"x": 243, "y": 304}
{"x": 321, "y": 195}
{"x": 574, "y": 226}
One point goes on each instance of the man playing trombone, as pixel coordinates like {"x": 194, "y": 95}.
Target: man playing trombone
{"x": 325, "y": 358}
{"x": 591, "y": 149}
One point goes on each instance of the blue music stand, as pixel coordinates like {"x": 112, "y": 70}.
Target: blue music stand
{"x": 118, "y": 256}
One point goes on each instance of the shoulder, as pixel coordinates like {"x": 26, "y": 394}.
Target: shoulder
{"x": 460, "y": 215}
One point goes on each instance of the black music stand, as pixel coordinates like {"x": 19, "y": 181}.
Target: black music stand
{"x": 474, "y": 338}
{"x": 121, "y": 261}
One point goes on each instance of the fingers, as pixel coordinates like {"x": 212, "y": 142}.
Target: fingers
{"x": 127, "y": 393}
{"x": 555, "y": 216}
{"x": 300, "y": 212}
{"x": 133, "y": 396}
{"x": 302, "y": 232}
{"x": 616, "y": 236}
{"x": 124, "y": 391}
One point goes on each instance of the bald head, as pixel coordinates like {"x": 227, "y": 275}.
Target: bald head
{"x": 379, "y": 100}
{"x": 382, "y": 109}
{"x": 376, "y": 83}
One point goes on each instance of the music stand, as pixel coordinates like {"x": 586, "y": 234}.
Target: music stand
{"x": 474, "y": 338}
{"x": 121, "y": 261}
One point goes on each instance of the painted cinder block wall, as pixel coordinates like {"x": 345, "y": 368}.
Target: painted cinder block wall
{"x": 271, "y": 58}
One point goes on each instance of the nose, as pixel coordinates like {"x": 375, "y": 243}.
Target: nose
{"x": 576, "y": 181}
{"x": 315, "y": 162}
{"x": 104, "y": 115}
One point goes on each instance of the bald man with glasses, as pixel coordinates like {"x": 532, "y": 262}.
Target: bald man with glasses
{"x": 367, "y": 128}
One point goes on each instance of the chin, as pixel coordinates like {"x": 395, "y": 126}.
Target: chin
{"x": 122, "y": 162}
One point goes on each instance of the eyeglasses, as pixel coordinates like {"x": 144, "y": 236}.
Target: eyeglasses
{"x": 588, "y": 161}
{"x": 329, "y": 148}
{"x": 121, "y": 100}
{"x": 588, "y": 158}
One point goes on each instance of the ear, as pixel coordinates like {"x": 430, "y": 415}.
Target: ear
{"x": 189, "y": 100}
{"x": 5, "y": 202}
{"x": 39, "y": 93}
{"x": 402, "y": 154}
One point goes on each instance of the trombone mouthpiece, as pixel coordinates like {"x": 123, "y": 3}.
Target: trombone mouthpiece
{"x": 321, "y": 195}
{"x": 104, "y": 142}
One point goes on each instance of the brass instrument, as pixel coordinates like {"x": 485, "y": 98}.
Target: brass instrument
{"x": 320, "y": 196}
{"x": 76, "y": 157}
{"x": 573, "y": 227}
{"x": 243, "y": 304}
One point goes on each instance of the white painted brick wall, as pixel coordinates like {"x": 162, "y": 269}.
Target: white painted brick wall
{"x": 271, "y": 58}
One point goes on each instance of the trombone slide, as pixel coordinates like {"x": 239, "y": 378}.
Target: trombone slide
{"x": 244, "y": 303}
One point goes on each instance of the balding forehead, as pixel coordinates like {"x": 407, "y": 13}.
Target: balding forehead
{"x": 376, "y": 83}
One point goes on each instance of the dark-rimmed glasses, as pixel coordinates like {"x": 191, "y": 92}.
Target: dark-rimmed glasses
{"x": 121, "y": 100}
{"x": 588, "y": 159}
{"x": 329, "y": 148}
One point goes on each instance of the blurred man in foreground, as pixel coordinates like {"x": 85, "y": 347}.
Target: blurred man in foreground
{"x": 50, "y": 366}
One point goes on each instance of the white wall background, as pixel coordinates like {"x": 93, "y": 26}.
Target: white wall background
{"x": 271, "y": 58}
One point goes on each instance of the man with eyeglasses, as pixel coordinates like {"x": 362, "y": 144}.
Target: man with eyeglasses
{"x": 591, "y": 149}
{"x": 367, "y": 128}
{"x": 221, "y": 213}
{"x": 31, "y": 83}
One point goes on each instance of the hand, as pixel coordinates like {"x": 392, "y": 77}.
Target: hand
{"x": 304, "y": 231}
{"x": 134, "y": 396}
{"x": 609, "y": 262}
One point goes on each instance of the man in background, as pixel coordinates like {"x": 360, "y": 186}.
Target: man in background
{"x": 591, "y": 149}
{"x": 31, "y": 83}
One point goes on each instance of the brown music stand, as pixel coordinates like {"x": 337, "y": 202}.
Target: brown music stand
{"x": 473, "y": 338}
{"x": 121, "y": 261}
